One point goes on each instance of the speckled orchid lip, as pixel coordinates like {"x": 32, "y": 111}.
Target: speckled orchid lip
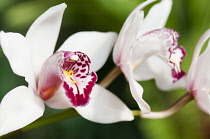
{"x": 175, "y": 59}
{"x": 78, "y": 81}
{"x": 176, "y": 53}
{"x": 168, "y": 50}
{"x": 71, "y": 70}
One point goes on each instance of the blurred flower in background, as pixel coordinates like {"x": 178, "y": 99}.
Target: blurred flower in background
{"x": 146, "y": 41}
{"x": 198, "y": 76}
{"x": 189, "y": 18}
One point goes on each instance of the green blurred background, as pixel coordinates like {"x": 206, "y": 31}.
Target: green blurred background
{"x": 189, "y": 17}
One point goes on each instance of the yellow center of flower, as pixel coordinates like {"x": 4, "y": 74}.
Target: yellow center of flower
{"x": 69, "y": 75}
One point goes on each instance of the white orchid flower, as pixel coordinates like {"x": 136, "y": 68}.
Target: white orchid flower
{"x": 62, "y": 80}
{"x": 145, "y": 50}
{"x": 198, "y": 77}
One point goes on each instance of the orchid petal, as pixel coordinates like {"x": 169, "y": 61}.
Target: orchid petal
{"x": 17, "y": 50}
{"x": 19, "y": 108}
{"x": 59, "y": 100}
{"x": 156, "y": 42}
{"x": 153, "y": 68}
{"x": 157, "y": 17}
{"x": 162, "y": 43}
{"x": 136, "y": 88}
{"x": 198, "y": 74}
{"x": 43, "y": 35}
{"x": 203, "y": 100}
{"x": 49, "y": 77}
{"x": 127, "y": 37}
{"x": 96, "y": 45}
{"x": 105, "y": 107}
{"x": 129, "y": 31}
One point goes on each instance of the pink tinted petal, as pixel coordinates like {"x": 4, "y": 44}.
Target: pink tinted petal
{"x": 200, "y": 79}
{"x": 157, "y": 17}
{"x": 199, "y": 45}
{"x": 156, "y": 68}
{"x": 97, "y": 45}
{"x": 198, "y": 73}
{"x": 49, "y": 77}
{"x": 127, "y": 38}
{"x": 129, "y": 31}
{"x": 105, "y": 107}
{"x": 43, "y": 35}
{"x": 59, "y": 100}
{"x": 203, "y": 100}
{"x": 78, "y": 80}
{"x": 136, "y": 89}
{"x": 19, "y": 108}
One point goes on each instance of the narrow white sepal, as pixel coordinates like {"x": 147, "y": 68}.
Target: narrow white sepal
{"x": 18, "y": 108}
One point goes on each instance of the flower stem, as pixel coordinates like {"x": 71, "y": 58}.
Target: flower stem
{"x": 70, "y": 113}
{"x": 110, "y": 77}
{"x": 52, "y": 119}
{"x": 187, "y": 97}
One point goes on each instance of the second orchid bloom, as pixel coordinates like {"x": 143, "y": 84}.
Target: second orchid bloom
{"x": 145, "y": 50}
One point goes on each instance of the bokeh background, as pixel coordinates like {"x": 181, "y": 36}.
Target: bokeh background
{"x": 189, "y": 17}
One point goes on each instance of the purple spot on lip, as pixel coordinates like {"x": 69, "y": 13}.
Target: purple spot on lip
{"x": 82, "y": 70}
{"x": 78, "y": 75}
{"x": 84, "y": 65}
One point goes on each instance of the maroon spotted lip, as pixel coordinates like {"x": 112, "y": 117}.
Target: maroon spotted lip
{"x": 73, "y": 75}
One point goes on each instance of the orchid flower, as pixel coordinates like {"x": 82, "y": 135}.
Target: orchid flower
{"x": 198, "y": 78}
{"x": 145, "y": 50}
{"x": 63, "y": 80}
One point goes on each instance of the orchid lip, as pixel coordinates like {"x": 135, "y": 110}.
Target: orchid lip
{"x": 175, "y": 59}
{"x": 70, "y": 71}
{"x": 78, "y": 81}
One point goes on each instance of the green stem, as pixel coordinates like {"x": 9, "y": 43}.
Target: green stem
{"x": 114, "y": 73}
{"x": 182, "y": 101}
{"x": 52, "y": 119}
{"x": 70, "y": 113}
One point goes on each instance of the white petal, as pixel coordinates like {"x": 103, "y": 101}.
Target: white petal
{"x": 18, "y": 52}
{"x": 127, "y": 38}
{"x": 203, "y": 100}
{"x": 157, "y": 17}
{"x": 198, "y": 73}
{"x": 43, "y": 35}
{"x": 156, "y": 42}
{"x": 129, "y": 31}
{"x": 136, "y": 89}
{"x": 16, "y": 49}
{"x": 19, "y": 108}
{"x": 162, "y": 43}
{"x": 105, "y": 107}
{"x": 156, "y": 68}
{"x": 96, "y": 45}
{"x": 59, "y": 100}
